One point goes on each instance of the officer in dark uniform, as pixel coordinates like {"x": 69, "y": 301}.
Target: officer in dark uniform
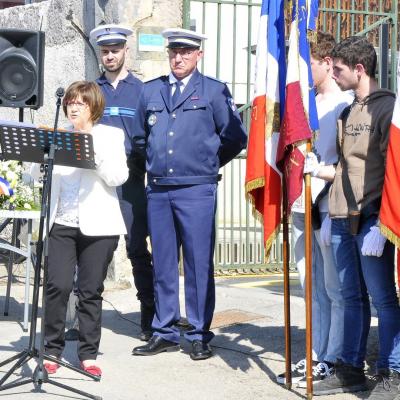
{"x": 187, "y": 127}
{"x": 121, "y": 91}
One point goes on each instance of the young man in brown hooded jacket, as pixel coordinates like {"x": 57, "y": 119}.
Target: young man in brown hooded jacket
{"x": 363, "y": 257}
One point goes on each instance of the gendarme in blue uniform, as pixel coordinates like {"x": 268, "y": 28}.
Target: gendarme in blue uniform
{"x": 185, "y": 145}
{"x": 121, "y": 105}
{"x": 120, "y": 111}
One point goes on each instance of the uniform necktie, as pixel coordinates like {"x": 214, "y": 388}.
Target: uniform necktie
{"x": 177, "y": 93}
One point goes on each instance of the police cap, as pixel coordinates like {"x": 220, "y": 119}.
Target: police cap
{"x": 178, "y": 37}
{"x": 109, "y": 34}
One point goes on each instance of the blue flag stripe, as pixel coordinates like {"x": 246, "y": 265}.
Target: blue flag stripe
{"x": 304, "y": 49}
{"x": 275, "y": 9}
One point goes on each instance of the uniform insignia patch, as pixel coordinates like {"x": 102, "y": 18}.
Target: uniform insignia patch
{"x": 152, "y": 119}
{"x": 114, "y": 111}
{"x": 194, "y": 98}
{"x": 232, "y": 104}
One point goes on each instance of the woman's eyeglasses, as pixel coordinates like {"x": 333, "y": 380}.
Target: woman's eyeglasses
{"x": 77, "y": 104}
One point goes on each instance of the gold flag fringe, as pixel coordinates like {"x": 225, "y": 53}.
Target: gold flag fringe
{"x": 390, "y": 235}
{"x": 269, "y": 241}
{"x": 255, "y": 184}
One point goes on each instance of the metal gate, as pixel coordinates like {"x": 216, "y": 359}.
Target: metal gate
{"x": 232, "y": 27}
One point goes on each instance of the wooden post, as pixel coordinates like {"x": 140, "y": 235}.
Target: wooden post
{"x": 308, "y": 278}
{"x": 286, "y": 289}
{"x": 398, "y": 268}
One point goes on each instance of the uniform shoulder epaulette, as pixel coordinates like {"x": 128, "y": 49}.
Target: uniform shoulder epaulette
{"x": 215, "y": 79}
{"x": 163, "y": 77}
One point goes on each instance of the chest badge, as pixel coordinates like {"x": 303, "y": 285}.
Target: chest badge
{"x": 232, "y": 104}
{"x": 152, "y": 119}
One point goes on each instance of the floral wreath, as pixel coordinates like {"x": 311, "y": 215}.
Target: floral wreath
{"x": 15, "y": 193}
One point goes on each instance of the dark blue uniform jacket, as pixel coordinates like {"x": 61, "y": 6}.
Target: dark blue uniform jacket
{"x": 120, "y": 107}
{"x": 188, "y": 143}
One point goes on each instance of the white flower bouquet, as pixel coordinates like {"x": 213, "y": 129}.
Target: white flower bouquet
{"x": 15, "y": 193}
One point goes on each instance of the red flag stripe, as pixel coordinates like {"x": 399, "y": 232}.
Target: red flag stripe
{"x": 263, "y": 182}
{"x": 295, "y": 130}
{"x": 256, "y": 145}
{"x": 390, "y": 210}
{"x": 263, "y": 179}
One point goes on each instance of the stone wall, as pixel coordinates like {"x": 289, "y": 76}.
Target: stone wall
{"x": 70, "y": 56}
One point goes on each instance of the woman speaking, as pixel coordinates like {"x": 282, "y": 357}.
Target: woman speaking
{"x": 85, "y": 224}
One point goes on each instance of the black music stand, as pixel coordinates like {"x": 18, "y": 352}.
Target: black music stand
{"x": 48, "y": 147}
{"x": 74, "y": 149}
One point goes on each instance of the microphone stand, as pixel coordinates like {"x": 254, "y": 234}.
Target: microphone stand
{"x": 40, "y": 375}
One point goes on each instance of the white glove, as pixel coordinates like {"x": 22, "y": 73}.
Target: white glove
{"x": 311, "y": 164}
{"x": 373, "y": 243}
{"x": 326, "y": 231}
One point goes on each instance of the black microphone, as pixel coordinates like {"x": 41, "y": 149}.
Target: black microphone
{"x": 60, "y": 92}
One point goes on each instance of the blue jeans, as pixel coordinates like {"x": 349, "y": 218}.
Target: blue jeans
{"x": 359, "y": 276}
{"x": 327, "y": 300}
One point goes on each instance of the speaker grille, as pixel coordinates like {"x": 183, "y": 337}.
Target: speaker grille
{"x": 21, "y": 68}
{"x": 18, "y": 77}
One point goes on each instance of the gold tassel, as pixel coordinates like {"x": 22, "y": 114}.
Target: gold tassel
{"x": 289, "y": 9}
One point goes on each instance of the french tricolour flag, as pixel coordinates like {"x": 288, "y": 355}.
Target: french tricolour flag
{"x": 263, "y": 178}
{"x": 300, "y": 118}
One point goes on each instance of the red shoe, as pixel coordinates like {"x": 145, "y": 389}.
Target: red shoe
{"x": 92, "y": 370}
{"x": 51, "y": 368}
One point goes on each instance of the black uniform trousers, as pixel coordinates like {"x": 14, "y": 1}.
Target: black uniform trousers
{"x": 133, "y": 204}
{"x": 69, "y": 247}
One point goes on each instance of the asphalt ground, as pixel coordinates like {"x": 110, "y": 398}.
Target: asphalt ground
{"x": 248, "y": 349}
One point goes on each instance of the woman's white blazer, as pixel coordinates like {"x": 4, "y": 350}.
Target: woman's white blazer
{"x": 99, "y": 210}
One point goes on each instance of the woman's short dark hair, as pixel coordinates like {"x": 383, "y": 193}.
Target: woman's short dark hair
{"x": 356, "y": 50}
{"x": 90, "y": 93}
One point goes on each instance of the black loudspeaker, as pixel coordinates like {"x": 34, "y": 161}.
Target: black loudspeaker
{"x": 21, "y": 68}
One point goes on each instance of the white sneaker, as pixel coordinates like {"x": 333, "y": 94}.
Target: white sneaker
{"x": 319, "y": 373}
{"x": 298, "y": 372}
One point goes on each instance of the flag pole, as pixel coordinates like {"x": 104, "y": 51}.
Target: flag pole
{"x": 398, "y": 268}
{"x": 286, "y": 288}
{"x": 308, "y": 278}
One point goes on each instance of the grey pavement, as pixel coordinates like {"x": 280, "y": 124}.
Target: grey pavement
{"x": 248, "y": 346}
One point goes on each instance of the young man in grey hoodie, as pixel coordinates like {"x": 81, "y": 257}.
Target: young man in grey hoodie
{"x": 363, "y": 257}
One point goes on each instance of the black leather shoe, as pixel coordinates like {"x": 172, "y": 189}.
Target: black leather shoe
{"x": 146, "y": 318}
{"x": 156, "y": 345}
{"x": 200, "y": 350}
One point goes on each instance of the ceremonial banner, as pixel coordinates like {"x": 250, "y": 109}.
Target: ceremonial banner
{"x": 300, "y": 117}
{"x": 263, "y": 179}
{"x": 390, "y": 210}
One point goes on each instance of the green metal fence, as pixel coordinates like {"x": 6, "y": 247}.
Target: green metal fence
{"x": 375, "y": 19}
{"x": 229, "y": 55}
